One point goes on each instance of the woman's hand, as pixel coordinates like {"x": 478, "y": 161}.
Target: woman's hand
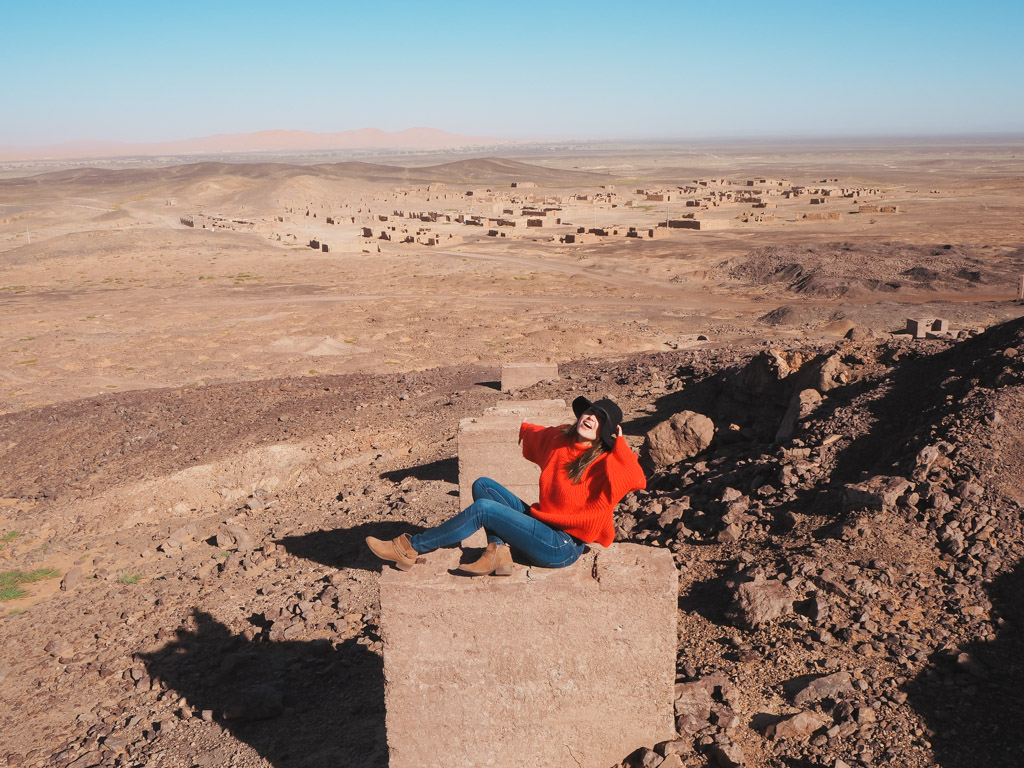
{"x": 618, "y": 431}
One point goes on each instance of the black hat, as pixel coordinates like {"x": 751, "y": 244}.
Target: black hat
{"x": 611, "y": 417}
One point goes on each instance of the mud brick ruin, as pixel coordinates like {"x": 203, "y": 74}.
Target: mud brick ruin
{"x": 436, "y": 215}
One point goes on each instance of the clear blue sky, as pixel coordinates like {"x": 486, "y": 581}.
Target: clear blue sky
{"x": 151, "y": 71}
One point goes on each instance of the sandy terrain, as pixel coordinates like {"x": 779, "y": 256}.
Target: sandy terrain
{"x": 113, "y": 292}
{"x": 161, "y": 382}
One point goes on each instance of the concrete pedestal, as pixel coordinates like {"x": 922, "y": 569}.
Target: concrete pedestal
{"x": 547, "y": 668}
{"x": 489, "y": 446}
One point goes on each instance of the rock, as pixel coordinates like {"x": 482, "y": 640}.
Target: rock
{"x": 828, "y": 686}
{"x": 115, "y": 743}
{"x": 683, "y": 436}
{"x": 969, "y": 490}
{"x": 693, "y": 706}
{"x": 864, "y": 715}
{"x": 677, "y": 747}
{"x": 72, "y": 580}
{"x": 234, "y": 537}
{"x": 800, "y": 407}
{"x": 798, "y": 726}
{"x": 759, "y": 602}
{"x": 672, "y": 761}
{"x": 88, "y": 760}
{"x": 761, "y": 376}
{"x": 860, "y": 334}
{"x": 730, "y": 534}
{"x": 673, "y": 512}
{"x": 182, "y": 536}
{"x": 59, "y": 647}
{"x": 878, "y": 493}
{"x": 728, "y": 755}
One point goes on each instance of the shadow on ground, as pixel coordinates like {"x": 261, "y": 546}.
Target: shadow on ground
{"x": 443, "y": 469}
{"x": 298, "y": 704}
{"x": 345, "y": 547}
{"x": 970, "y": 696}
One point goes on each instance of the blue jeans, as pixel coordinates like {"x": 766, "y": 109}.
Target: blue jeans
{"x": 507, "y": 520}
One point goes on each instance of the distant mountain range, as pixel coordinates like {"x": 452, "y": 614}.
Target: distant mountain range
{"x": 261, "y": 141}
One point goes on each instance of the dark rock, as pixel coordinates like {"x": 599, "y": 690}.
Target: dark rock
{"x": 796, "y": 727}
{"x": 728, "y": 755}
{"x": 878, "y": 493}
{"x": 808, "y": 691}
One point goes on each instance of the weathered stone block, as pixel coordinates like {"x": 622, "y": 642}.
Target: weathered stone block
{"x": 516, "y": 376}
{"x": 919, "y": 327}
{"x": 489, "y": 446}
{"x": 547, "y": 668}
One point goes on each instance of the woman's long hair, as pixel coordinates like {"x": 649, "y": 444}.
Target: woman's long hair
{"x": 578, "y": 466}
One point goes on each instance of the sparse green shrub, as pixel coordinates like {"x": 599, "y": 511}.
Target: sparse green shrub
{"x": 11, "y": 581}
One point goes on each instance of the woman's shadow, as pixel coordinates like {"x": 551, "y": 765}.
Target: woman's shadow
{"x": 297, "y": 703}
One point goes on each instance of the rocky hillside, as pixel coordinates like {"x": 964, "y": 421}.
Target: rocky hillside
{"x": 847, "y": 521}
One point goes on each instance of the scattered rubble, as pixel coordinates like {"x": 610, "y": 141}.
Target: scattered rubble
{"x": 850, "y": 587}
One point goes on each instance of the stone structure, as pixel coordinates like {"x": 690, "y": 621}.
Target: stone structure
{"x": 516, "y": 376}
{"x": 547, "y": 668}
{"x": 919, "y": 328}
{"x": 489, "y": 446}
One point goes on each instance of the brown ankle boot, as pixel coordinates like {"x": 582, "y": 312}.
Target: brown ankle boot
{"x": 495, "y": 559}
{"x": 398, "y": 551}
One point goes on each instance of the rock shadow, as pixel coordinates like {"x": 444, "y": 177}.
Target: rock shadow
{"x": 446, "y": 470}
{"x": 298, "y": 704}
{"x": 345, "y": 547}
{"x": 970, "y": 696}
{"x": 709, "y": 598}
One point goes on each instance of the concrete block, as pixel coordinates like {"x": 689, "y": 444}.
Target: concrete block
{"x": 940, "y": 325}
{"x": 918, "y": 327}
{"x": 516, "y": 376}
{"x": 547, "y": 668}
{"x": 489, "y": 446}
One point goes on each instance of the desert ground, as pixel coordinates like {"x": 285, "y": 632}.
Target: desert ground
{"x": 217, "y": 377}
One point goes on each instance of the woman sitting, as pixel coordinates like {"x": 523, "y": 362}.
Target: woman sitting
{"x": 586, "y": 469}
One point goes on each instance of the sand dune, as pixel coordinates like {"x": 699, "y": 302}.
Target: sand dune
{"x": 481, "y": 169}
{"x": 260, "y": 141}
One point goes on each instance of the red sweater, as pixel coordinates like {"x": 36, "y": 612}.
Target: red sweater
{"x": 583, "y": 509}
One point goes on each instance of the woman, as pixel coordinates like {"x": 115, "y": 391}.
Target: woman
{"x": 586, "y": 469}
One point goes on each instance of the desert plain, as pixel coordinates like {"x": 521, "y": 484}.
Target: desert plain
{"x": 216, "y": 377}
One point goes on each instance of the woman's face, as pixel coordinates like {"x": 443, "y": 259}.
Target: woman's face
{"x": 588, "y": 426}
